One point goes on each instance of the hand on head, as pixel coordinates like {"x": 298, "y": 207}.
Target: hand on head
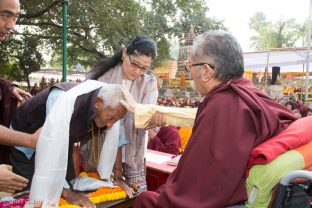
{"x": 10, "y": 182}
{"x": 129, "y": 103}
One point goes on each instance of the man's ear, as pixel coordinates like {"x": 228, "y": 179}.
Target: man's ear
{"x": 98, "y": 103}
{"x": 124, "y": 52}
{"x": 206, "y": 72}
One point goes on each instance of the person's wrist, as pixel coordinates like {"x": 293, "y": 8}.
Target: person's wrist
{"x": 29, "y": 141}
{"x": 133, "y": 107}
{"x": 66, "y": 193}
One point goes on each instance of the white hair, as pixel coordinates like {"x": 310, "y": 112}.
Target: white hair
{"x": 111, "y": 94}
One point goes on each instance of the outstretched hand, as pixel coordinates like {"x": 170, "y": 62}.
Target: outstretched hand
{"x": 9, "y": 181}
{"x": 129, "y": 103}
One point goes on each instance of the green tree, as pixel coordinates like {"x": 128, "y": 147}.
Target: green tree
{"x": 21, "y": 57}
{"x": 98, "y": 28}
{"x": 283, "y": 33}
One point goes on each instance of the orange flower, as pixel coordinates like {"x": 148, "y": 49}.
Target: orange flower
{"x": 103, "y": 194}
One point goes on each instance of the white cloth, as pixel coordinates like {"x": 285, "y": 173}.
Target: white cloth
{"x": 84, "y": 183}
{"x": 52, "y": 148}
{"x": 109, "y": 151}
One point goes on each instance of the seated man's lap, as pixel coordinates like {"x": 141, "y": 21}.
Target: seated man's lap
{"x": 146, "y": 199}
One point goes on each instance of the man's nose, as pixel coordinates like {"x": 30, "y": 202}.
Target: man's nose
{"x": 138, "y": 71}
{"x": 10, "y": 24}
{"x": 109, "y": 124}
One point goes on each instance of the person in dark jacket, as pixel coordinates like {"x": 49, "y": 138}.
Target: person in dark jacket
{"x": 93, "y": 111}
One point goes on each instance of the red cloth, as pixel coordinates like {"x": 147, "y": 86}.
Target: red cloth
{"x": 233, "y": 118}
{"x": 167, "y": 140}
{"x": 297, "y": 134}
{"x": 146, "y": 199}
{"x": 8, "y": 106}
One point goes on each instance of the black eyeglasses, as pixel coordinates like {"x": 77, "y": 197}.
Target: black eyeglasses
{"x": 188, "y": 66}
{"x": 134, "y": 65}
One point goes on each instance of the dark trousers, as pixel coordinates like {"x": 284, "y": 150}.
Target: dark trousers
{"x": 22, "y": 165}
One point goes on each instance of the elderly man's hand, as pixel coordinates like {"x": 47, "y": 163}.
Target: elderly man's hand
{"x": 20, "y": 94}
{"x": 129, "y": 103}
{"x": 10, "y": 182}
{"x": 158, "y": 119}
{"x": 129, "y": 191}
{"x": 77, "y": 198}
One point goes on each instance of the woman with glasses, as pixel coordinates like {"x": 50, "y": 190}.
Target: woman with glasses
{"x": 131, "y": 68}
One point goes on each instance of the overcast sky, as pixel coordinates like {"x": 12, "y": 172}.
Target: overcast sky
{"x": 236, "y": 14}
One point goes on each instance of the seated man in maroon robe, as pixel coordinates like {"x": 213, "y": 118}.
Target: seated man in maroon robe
{"x": 166, "y": 140}
{"x": 233, "y": 117}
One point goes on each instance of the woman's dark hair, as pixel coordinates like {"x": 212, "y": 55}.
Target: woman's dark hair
{"x": 141, "y": 45}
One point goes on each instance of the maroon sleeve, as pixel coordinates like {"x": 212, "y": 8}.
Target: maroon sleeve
{"x": 7, "y": 103}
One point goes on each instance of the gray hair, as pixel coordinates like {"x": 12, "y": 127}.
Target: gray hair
{"x": 111, "y": 94}
{"x": 223, "y": 50}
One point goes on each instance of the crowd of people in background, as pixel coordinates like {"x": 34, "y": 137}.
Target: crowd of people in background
{"x": 301, "y": 109}
{"x": 295, "y": 89}
{"x": 179, "y": 102}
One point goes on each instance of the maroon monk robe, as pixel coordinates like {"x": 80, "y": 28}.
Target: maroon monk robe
{"x": 167, "y": 140}
{"x": 7, "y": 109}
{"x": 233, "y": 118}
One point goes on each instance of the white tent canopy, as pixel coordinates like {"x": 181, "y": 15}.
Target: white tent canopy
{"x": 289, "y": 59}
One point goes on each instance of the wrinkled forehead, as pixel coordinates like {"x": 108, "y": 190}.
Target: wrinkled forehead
{"x": 118, "y": 112}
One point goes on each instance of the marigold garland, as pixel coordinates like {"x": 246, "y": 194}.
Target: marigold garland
{"x": 90, "y": 174}
{"x": 101, "y": 195}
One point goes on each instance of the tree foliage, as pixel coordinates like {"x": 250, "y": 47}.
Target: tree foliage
{"x": 21, "y": 58}
{"x": 279, "y": 34}
{"x": 97, "y": 28}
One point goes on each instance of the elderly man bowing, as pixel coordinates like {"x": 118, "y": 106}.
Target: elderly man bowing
{"x": 66, "y": 110}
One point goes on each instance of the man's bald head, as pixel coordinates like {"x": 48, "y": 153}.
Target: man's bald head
{"x": 9, "y": 11}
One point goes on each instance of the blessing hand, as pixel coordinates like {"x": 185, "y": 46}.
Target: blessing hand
{"x": 129, "y": 103}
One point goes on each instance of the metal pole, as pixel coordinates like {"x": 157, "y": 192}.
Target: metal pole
{"x": 302, "y": 81}
{"x": 266, "y": 72}
{"x": 308, "y": 54}
{"x": 268, "y": 57}
{"x": 65, "y": 9}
